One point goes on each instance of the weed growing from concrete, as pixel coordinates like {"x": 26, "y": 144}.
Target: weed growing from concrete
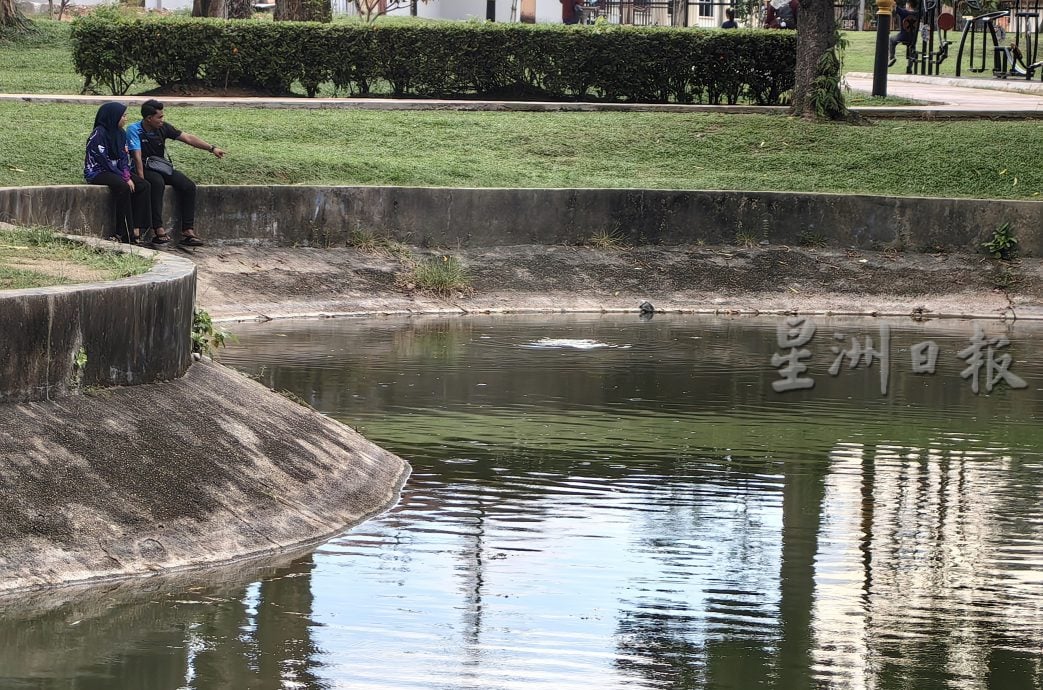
{"x": 1003, "y": 244}
{"x": 745, "y": 240}
{"x": 605, "y": 239}
{"x": 811, "y": 239}
{"x": 79, "y": 364}
{"x": 371, "y": 243}
{"x": 205, "y": 338}
{"x": 441, "y": 276}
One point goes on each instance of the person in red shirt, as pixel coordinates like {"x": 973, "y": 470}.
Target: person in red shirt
{"x": 569, "y": 15}
{"x": 781, "y": 14}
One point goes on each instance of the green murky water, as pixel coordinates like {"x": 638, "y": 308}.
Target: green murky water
{"x": 609, "y": 502}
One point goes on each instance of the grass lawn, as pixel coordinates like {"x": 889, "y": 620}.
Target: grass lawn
{"x": 656, "y": 150}
{"x": 36, "y": 257}
{"x": 861, "y": 52}
{"x": 500, "y": 149}
{"x": 41, "y": 62}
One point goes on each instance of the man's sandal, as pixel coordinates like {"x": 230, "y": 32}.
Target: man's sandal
{"x": 161, "y": 239}
{"x": 190, "y": 241}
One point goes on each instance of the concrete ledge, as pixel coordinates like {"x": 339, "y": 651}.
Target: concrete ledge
{"x": 133, "y": 331}
{"x": 210, "y": 468}
{"x": 460, "y": 217}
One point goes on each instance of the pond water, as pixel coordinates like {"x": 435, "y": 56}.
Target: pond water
{"x": 609, "y": 502}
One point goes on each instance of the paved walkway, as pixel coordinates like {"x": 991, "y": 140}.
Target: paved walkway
{"x": 949, "y": 96}
{"x": 946, "y": 97}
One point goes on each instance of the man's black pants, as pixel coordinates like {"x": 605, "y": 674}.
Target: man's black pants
{"x": 186, "y": 194}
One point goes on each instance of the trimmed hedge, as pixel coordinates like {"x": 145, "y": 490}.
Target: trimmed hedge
{"x": 440, "y": 59}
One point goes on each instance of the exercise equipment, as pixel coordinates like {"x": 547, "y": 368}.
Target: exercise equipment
{"x": 925, "y": 55}
{"x": 983, "y": 36}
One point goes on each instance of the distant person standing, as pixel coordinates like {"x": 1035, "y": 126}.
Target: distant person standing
{"x": 730, "y": 22}
{"x": 569, "y": 12}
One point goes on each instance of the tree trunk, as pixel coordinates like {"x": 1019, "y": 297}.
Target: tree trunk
{"x": 816, "y": 35}
{"x": 240, "y": 9}
{"x": 303, "y": 10}
{"x": 210, "y": 8}
{"x": 9, "y": 15}
{"x": 677, "y": 16}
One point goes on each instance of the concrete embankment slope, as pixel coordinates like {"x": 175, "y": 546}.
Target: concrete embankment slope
{"x": 120, "y": 457}
{"x": 207, "y": 468}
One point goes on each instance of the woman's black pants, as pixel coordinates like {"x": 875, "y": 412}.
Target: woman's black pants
{"x": 129, "y": 210}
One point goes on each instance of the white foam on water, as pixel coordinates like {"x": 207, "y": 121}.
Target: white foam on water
{"x": 569, "y": 344}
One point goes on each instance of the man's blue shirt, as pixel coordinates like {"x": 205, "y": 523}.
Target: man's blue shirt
{"x": 134, "y": 136}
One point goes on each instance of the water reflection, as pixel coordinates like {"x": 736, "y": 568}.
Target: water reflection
{"x": 247, "y": 626}
{"x": 647, "y": 514}
{"x": 912, "y": 527}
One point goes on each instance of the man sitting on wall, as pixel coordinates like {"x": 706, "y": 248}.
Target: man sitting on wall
{"x": 147, "y": 140}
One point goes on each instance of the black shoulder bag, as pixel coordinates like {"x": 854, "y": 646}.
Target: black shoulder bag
{"x": 158, "y": 164}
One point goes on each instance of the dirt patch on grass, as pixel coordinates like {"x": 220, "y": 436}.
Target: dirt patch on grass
{"x": 62, "y": 271}
{"x": 253, "y": 282}
{"x": 36, "y": 257}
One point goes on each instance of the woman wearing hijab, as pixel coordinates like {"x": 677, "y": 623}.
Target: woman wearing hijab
{"x": 108, "y": 163}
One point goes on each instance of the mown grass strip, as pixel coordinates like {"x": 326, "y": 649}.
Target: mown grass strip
{"x": 975, "y": 158}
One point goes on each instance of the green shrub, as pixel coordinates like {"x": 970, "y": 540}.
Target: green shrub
{"x": 439, "y": 59}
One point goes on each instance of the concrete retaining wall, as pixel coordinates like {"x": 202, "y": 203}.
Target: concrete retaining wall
{"x": 208, "y": 468}
{"x": 132, "y": 331}
{"x": 443, "y": 217}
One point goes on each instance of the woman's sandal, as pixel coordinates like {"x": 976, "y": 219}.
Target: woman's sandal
{"x": 161, "y": 238}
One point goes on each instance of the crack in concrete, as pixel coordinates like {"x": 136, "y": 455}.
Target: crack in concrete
{"x": 105, "y": 551}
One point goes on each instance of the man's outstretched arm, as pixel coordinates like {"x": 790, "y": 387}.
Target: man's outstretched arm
{"x": 195, "y": 142}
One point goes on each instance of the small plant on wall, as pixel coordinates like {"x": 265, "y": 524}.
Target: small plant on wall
{"x": 205, "y": 338}
{"x": 1003, "y": 244}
